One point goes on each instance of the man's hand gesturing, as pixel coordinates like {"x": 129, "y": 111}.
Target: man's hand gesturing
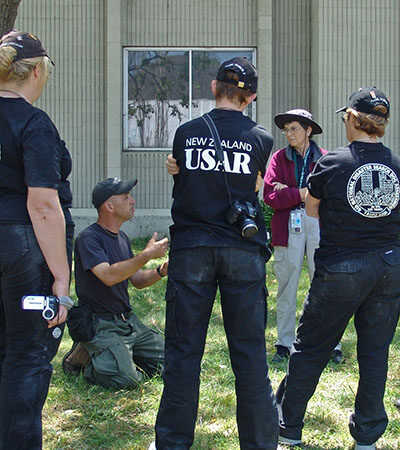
{"x": 156, "y": 249}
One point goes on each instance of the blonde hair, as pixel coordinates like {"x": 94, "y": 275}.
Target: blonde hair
{"x": 370, "y": 123}
{"x": 19, "y": 71}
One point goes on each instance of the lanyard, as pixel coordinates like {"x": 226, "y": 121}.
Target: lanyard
{"x": 303, "y": 167}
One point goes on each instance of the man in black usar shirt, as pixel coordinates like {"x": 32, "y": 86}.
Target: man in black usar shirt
{"x": 104, "y": 263}
{"x": 208, "y": 252}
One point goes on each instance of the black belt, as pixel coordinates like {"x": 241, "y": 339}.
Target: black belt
{"x": 114, "y": 316}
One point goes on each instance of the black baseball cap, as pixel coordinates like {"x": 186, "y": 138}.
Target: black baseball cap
{"x": 247, "y": 73}
{"x": 27, "y": 45}
{"x": 366, "y": 99}
{"x": 111, "y": 186}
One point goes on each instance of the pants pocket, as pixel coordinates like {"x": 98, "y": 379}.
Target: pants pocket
{"x": 171, "y": 323}
{"x": 113, "y": 367}
{"x": 14, "y": 242}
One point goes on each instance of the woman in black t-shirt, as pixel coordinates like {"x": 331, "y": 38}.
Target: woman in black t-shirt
{"x": 36, "y": 231}
{"x": 355, "y": 191}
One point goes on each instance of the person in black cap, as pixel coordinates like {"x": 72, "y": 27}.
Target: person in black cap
{"x": 123, "y": 348}
{"x": 36, "y": 238}
{"x": 355, "y": 191}
{"x": 294, "y": 234}
{"x": 209, "y": 250}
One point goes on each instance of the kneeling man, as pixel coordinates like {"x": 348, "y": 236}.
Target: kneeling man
{"x": 123, "y": 348}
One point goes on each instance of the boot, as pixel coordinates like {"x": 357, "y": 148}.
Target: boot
{"x": 76, "y": 359}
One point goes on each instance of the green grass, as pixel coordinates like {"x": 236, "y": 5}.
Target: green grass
{"x": 78, "y": 415}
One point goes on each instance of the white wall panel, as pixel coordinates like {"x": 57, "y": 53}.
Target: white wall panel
{"x": 355, "y": 43}
{"x": 194, "y": 23}
{"x": 291, "y": 63}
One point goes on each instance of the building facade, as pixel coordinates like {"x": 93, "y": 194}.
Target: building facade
{"x": 128, "y": 72}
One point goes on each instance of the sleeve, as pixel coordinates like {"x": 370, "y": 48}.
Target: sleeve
{"x": 315, "y": 181}
{"x": 267, "y": 147}
{"x": 318, "y": 177}
{"x": 176, "y": 146}
{"x": 91, "y": 251}
{"x": 42, "y": 154}
{"x": 284, "y": 198}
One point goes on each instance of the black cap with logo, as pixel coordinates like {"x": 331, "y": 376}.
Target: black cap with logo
{"x": 27, "y": 45}
{"x": 366, "y": 100}
{"x": 246, "y": 72}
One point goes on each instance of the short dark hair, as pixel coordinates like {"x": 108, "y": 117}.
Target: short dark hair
{"x": 236, "y": 95}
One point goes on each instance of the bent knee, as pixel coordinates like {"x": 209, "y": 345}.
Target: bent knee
{"x": 119, "y": 380}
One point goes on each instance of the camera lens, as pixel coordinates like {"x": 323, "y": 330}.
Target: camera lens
{"x": 248, "y": 227}
{"x": 249, "y": 230}
{"x": 48, "y": 314}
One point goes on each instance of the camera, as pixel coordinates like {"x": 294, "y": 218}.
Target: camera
{"x": 46, "y": 303}
{"x": 243, "y": 215}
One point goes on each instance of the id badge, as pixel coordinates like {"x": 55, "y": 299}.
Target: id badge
{"x": 295, "y": 222}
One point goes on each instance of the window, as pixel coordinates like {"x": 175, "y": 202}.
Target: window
{"x": 167, "y": 87}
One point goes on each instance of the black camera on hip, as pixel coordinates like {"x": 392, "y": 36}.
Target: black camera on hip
{"x": 243, "y": 215}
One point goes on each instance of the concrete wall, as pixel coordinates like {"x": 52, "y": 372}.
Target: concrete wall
{"x": 354, "y": 43}
{"x": 310, "y": 53}
{"x": 291, "y": 63}
{"x": 73, "y": 34}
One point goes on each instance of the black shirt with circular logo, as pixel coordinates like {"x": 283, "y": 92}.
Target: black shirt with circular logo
{"x": 359, "y": 190}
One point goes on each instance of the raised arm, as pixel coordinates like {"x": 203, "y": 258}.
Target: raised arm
{"x": 111, "y": 274}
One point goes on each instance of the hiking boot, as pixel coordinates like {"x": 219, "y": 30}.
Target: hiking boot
{"x": 397, "y": 403}
{"x": 76, "y": 359}
{"x": 281, "y": 353}
{"x": 337, "y": 356}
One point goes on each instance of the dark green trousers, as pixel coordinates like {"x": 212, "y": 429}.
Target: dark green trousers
{"x": 122, "y": 352}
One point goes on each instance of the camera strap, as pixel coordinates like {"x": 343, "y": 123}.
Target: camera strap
{"x": 218, "y": 149}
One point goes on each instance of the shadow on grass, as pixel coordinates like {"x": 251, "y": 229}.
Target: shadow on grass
{"x": 93, "y": 417}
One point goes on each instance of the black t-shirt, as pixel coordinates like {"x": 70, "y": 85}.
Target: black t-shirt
{"x": 200, "y": 195}
{"x": 93, "y": 246}
{"x": 359, "y": 191}
{"x": 31, "y": 155}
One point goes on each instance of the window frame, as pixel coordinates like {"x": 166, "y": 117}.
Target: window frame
{"x": 126, "y": 51}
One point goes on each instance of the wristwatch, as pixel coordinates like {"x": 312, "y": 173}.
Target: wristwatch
{"x": 66, "y": 301}
{"x": 159, "y": 271}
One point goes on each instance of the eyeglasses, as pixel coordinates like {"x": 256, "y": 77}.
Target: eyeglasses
{"x": 291, "y": 130}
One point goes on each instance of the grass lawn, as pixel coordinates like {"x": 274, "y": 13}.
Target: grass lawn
{"x": 81, "y": 416}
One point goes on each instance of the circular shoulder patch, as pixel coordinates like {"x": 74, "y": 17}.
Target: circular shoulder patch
{"x": 373, "y": 190}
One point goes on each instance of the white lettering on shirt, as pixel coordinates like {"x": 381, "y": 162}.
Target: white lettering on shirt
{"x": 206, "y": 159}
{"x": 373, "y": 190}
